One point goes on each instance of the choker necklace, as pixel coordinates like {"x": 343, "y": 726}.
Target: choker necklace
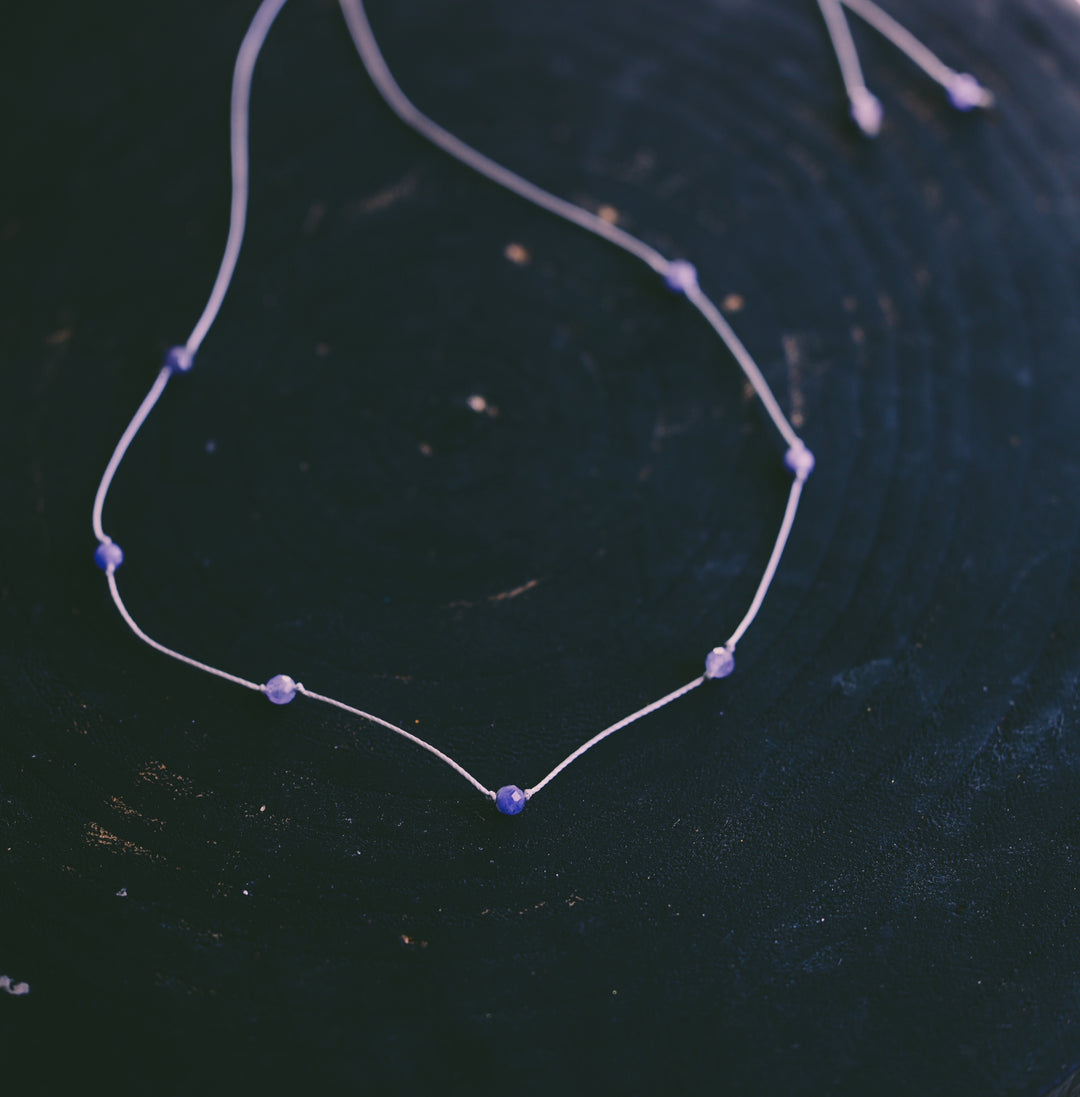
{"x": 678, "y": 275}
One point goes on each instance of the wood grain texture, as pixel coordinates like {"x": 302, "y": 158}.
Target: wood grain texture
{"x": 466, "y": 467}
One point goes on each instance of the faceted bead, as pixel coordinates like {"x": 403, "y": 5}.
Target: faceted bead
{"x": 867, "y": 111}
{"x": 108, "y": 555}
{"x": 719, "y": 663}
{"x": 800, "y": 460}
{"x": 681, "y": 276}
{"x": 179, "y": 359}
{"x": 281, "y": 689}
{"x": 510, "y": 800}
{"x": 965, "y": 92}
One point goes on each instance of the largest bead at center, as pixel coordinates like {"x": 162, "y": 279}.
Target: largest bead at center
{"x": 510, "y": 800}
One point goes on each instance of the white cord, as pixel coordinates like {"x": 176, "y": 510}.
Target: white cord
{"x": 772, "y": 565}
{"x": 110, "y": 575}
{"x": 680, "y": 276}
{"x": 624, "y": 722}
{"x": 239, "y": 113}
{"x": 137, "y": 420}
{"x": 902, "y": 38}
{"x": 402, "y": 732}
{"x": 366, "y": 45}
{"x": 865, "y": 106}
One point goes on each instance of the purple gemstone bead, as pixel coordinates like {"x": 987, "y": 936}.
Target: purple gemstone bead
{"x": 681, "y": 276}
{"x": 800, "y": 460}
{"x": 510, "y": 800}
{"x": 280, "y": 690}
{"x": 965, "y": 92}
{"x": 179, "y": 359}
{"x": 108, "y": 555}
{"x": 719, "y": 663}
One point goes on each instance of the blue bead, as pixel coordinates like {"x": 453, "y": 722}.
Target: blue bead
{"x": 179, "y": 359}
{"x": 280, "y": 690}
{"x": 510, "y": 800}
{"x": 965, "y": 92}
{"x": 719, "y": 663}
{"x": 680, "y": 276}
{"x": 800, "y": 460}
{"x": 108, "y": 555}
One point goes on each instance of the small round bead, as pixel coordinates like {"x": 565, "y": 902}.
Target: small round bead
{"x": 281, "y": 689}
{"x": 680, "y": 276}
{"x": 510, "y": 800}
{"x": 179, "y": 359}
{"x": 800, "y": 460}
{"x": 108, "y": 555}
{"x": 965, "y": 92}
{"x": 867, "y": 111}
{"x": 719, "y": 663}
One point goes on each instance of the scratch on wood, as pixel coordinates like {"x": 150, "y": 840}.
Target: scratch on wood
{"x": 793, "y": 354}
{"x": 502, "y": 596}
{"x": 99, "y": 836}
{"x": 513, "y": 593}
{"x": 387, "y": 196}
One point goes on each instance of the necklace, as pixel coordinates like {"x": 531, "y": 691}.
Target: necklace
{"x": 678, "y": 275}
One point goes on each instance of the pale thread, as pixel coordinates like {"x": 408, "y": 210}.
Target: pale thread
{"x": 902, "y": 38}
{"x": 599, "y": 225}
{"x": 847, "y": 56}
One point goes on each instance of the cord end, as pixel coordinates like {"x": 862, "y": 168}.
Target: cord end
{"x": 867, "y": 112}
{"x": 966, "y": 93}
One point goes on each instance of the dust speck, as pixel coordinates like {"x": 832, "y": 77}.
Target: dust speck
{"x": 480, "y": 405}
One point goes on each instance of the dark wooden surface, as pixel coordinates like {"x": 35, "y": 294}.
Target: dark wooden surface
{"x": 850, "y": 868}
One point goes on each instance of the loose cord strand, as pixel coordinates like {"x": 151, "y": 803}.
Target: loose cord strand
{"x": 239, "y": 115}
{"x": 902, "y": 39}
{"x": 847, "y": 56}
{"x": 964, "y": 91}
